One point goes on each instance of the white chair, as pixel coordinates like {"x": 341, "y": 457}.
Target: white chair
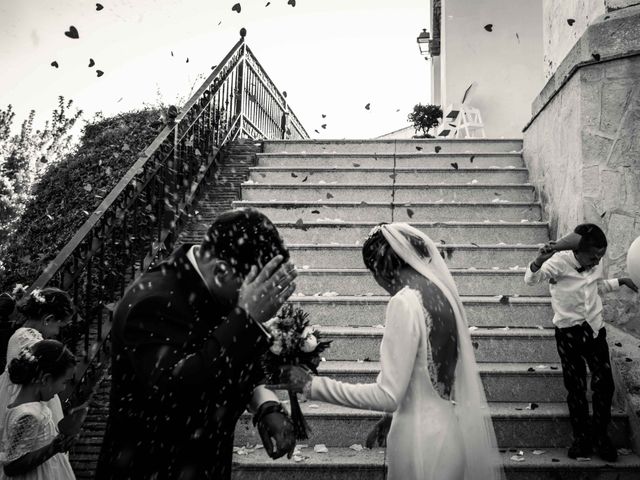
{"x": 461, "y": 118}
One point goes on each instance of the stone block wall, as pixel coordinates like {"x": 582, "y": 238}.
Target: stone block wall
{"x": 582, "y": 149}
{"x": 565, "y": 21}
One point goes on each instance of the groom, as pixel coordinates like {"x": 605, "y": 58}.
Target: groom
{"x": 187, "y": 340}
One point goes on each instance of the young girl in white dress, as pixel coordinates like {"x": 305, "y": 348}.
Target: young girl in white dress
{"x": 441, "y": 427}
{"x": 44, "y": 311}
{"x": 31, "y": 448}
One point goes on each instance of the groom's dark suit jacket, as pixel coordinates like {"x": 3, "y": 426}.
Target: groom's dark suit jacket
{"x": 167, "y": 419}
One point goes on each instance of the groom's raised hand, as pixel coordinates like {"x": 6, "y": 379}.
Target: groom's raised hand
{"x": 276, "y": 430}
{"x": 262, "y": 294}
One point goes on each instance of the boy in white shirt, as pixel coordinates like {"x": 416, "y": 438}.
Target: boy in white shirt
{"x": 574, "y": 274}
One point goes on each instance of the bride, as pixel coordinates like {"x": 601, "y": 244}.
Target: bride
{"x": 441, "y": 426}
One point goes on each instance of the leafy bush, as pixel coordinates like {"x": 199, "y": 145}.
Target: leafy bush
{"x": 424, "y": 118}
{"x": 67, "y": 193}
{"x": 24, "y": 156}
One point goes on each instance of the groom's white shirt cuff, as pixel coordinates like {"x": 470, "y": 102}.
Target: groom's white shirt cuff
{"x": 261, "y": 393}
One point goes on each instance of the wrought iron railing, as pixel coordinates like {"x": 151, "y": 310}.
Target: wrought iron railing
{"x": 141, "y": 217}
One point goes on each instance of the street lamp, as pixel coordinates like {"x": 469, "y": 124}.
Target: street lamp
{"x": 423, "y": 42}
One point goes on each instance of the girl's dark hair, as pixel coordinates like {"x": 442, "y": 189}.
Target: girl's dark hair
{"x": 7, "y": 307}
{"x": 381, "y": 259}
{"x": 591, "y": 236}
{"x": 7, "y": 325}
{"x": 47, "y": 301}
{"x": 45, "y": 356}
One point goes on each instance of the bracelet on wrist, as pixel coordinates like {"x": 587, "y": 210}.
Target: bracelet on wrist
{"x": 265, "y": 409}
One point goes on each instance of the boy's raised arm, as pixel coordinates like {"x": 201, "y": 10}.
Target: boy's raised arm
{"x": 541, "y": 268}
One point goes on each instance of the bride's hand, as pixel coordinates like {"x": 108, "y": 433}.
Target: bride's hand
{"x": 295, "y": 378}
{"x": 378, "y": 434}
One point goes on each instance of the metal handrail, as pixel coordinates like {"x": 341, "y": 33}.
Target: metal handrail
{"x": 139, "y": 220}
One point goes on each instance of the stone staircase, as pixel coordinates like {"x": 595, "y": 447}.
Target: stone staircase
{"x": 471, "y": 197}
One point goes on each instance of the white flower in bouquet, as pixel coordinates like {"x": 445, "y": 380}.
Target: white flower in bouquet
{"x": 308, "y": 331}
{"x": 310, "y": 343}
{"x": 276, "y": 346}
{"x": 309, "y": 340}
{"x": 272, "y": 325}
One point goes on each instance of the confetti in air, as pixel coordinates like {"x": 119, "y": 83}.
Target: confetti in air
{"x": 72, "y": 32}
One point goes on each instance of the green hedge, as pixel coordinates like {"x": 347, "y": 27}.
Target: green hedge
{"x": 71, "y": 189}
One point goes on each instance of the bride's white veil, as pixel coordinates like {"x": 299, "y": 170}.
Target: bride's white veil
{"x": 483, "y": 461}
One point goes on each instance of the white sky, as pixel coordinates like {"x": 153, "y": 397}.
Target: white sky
{"x": 331, "y": 56}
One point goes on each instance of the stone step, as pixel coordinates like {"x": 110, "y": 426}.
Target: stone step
{"x": 470, "y": 282}
{"x": 516, "y": 427}
{"x": 404, "y": 160}
{"x": 338, "y": 464}
{"x": 495, "y": 345}
{"x": 513, "y": 382}
{"x": 532, "y": 312}
{"x": 394, "y": 146}
{"x": 375, "y": 192}
{"x": 383, "y": 212}
{"x": 511, "y": 233}
{"x": 343, "y": 463}
{"x": 401, "y": 176}
{"x": 455, "y": 255}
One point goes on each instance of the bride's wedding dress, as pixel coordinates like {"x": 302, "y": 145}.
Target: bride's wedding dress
{"x": 431, "y": 436}
{"x": 425, "y": 441}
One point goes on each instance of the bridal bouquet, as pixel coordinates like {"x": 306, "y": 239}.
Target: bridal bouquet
{"x": 295, "y": 342}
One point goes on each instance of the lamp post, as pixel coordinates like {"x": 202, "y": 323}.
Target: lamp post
{"x": 424, "y": 40}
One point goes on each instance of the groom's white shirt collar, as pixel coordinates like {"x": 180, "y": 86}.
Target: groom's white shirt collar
{"x": 191, "y": 255}
{"x": 261, "y": 393}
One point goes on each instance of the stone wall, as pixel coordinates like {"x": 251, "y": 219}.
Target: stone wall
{"x": 582, "y": 149}
{"x": 559, "y": 36}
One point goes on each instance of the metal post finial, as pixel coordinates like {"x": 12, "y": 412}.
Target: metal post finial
{"x": 243, "y": 32}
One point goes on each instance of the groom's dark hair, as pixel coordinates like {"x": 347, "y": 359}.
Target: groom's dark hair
{"x": 244, "y": 237}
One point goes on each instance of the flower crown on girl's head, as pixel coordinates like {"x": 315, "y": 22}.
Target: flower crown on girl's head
{"x": 38, "y": 296}
{"x": 19, "y": 291}
{"x": 28, "y": 355}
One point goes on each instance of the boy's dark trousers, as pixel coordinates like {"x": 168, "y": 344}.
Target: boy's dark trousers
{"x": 577, "y": 345}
